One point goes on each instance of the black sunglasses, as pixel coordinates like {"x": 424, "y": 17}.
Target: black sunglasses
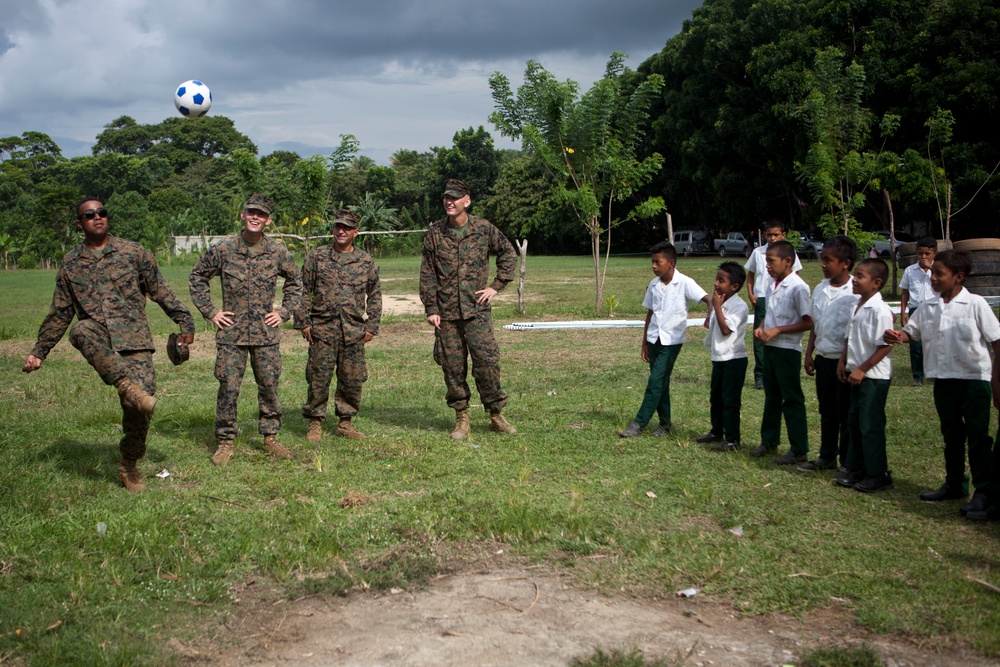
{"x": 91, "y": 214}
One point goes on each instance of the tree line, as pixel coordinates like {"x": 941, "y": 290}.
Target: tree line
{"x": 837, "y": 115}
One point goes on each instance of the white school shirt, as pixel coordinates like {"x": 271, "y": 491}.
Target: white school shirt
{"x": 957, "y": 336}
{"x": 868, "y": 324}
{"x": 734, "y": 346}
{"x": 787, "y": 302}
{"x": 758, "y": 265}
{"x": 668, "y": 302}
{"x": 918, "y": 283}
{"x": 831, "y": 309}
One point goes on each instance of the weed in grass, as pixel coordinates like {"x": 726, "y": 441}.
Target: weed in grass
{"x": 633, "y": 658}
{"x": 862, "y": 656}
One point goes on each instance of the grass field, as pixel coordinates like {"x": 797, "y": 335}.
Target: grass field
{"x": 647, "y": 516}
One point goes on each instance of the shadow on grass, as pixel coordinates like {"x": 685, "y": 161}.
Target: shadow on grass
{"x": 84, "y": 459}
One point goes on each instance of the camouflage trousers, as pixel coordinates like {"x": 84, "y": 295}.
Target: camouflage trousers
{"x": 349, "y": 362}
{"x": 230, "y": 367}
{"x": 454, "y": 343}
{"x": 94, "y": 343}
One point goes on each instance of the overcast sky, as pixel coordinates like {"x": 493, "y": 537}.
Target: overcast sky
{"x": 296, "y": 74}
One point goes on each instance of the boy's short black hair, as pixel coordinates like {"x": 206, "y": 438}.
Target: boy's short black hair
{"x": 665, "y": 248}
{"x": 737, "y": 274}
{"x": 927, "y": 242}
{"x": 843, "y": 248}
{"x": 782, "y": 249}
{"x": 876, "y": 268}
{"x": 776, "y": 223}
{"x": 83, "y": 201}
{"x": 957, "y": 261}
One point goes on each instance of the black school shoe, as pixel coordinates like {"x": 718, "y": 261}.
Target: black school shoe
{"x": 725, "y": 447}
{"x": 789, "y": 458}
{"x": 980, "y": 503}
{"x": 849, "y": 478}
{"x": 945, "y": 492}
{"x": 818, "y": 464}
{"x": 877, "y": 483}
{"x": 761, "y": 450}
{"x": 708, "y": 437}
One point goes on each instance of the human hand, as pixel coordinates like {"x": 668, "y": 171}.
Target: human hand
{"x": 223, "y": 319}
{"x": 273, "y": 319}
{"x": 368, "y": 337}
{"x": 765, "y": 335}
{"x": 644, "y": 352}
{"x": 307, "y": 334}
{"x": 893, "y": 337}
{"x": 32, "y": 363}
{"x": 753, "y": 299}
{"x": 185, "y": 339}
{"x": 856, "y": 376}
{"x": 809, "y": 362}
{"x": 435, "y": 320}
{"x": 485, "y": 295}
{"x": 841, "y": 371}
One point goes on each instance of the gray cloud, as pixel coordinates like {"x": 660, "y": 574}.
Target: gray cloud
{"x": 396, "y": 73}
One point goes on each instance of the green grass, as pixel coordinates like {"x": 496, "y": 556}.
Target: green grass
{"x": 400, "y": 507}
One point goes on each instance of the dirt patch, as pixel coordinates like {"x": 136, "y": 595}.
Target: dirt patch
{"x": 518, "y": 615}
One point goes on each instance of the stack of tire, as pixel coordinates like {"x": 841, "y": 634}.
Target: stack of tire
{"x": 984, "y": 279}
{"x": 908, "y": 252}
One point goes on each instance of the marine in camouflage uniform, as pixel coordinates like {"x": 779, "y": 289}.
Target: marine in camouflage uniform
{"x": 248, "y": 264}
{"x": 341, "y": 285}
{"x": 456, "y": 297}
{"x": 104, "y": 283}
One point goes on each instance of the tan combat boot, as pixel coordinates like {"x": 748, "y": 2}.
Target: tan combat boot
{"x": 315, "y": 431}
{"x": 501, "y": 425}
{"x": 274, "y": 447}
{"x": 136, "y": 396}
{"x": 223, "y": 453}
{"x": 130, "y": 476}
{"x": 461, "y": 431}
{"x": 345, "y": 429}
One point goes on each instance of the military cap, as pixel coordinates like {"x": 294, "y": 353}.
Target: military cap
{"x": 346, "y": 218}
{"x": 177, "y": 354}
{"x": 259, "y": 202}
{"x": 456, "y": 188}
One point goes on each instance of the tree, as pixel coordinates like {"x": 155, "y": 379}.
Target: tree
{"x": 472, "y": 158}
{"x": 374, "y": 216}
{"x": 589, "y": 143}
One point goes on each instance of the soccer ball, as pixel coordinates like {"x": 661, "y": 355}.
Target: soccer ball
{"x": 193, "y": 99}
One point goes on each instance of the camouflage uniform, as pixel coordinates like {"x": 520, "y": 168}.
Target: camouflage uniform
{"x": 337, "y": 285}
{"x": 249, "y": 275}
{"x": 451, "y": 271}
{"x": 106, "y": 290}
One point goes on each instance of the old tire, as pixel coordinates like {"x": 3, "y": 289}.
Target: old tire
{"x": 972, "y": 245}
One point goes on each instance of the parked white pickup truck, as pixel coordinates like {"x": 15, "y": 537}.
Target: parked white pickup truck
{"x": 734, "y": 244}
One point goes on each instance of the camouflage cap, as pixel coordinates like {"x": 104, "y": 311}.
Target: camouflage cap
{"x": 177, "y": 354}
{"x": 346, "y": 218}
{"x": 456, "y": 188}
{"x": 260, "y": 202}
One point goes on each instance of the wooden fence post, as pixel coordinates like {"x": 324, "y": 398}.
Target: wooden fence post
{"x": 522, "y": 248}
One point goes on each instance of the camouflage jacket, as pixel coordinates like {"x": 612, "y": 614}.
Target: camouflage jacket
{"x": 337, "y": 286}
{"x": 110, "y": 286}
{"x": 453, "y": 269}
{"x": 249, "y": 277}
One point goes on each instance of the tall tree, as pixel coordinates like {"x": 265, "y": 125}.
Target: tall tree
{"x": 589, "y": 142}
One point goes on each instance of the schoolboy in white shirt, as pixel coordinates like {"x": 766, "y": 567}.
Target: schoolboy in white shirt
{"x": 958, "y": 329}
{"x": 786, "y": 319}
{"x": 866, "y": 366}
{"x": 727, "y": 325}
{"x": 666, "y": 302}
{"x": 915, "y": 289}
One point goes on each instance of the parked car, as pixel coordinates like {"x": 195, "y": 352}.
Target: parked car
{"x": 692, "y": 242}
{"x": 810, "y": 245}
{"x": 882, "y": 244}
{"x": 736, "y": 243}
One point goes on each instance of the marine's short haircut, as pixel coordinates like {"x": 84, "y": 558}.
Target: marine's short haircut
{"x": 843, "y": 248}
{"x": 776, "y": 223}
{"x": 782, "y": 249}
{"x": 665, "y": 248}
{"x": 84, "y": 201}
{"x": 957, "y": 261}
{"x": 876, "y": 268}
{"x": 927, "y": 242}
{"x": 737, "y": 274}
